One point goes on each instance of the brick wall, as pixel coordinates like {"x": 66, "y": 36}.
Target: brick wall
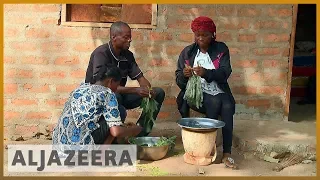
{"x": 44, "y": 62}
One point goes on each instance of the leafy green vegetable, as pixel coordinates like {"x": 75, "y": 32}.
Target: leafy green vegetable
{"x": 166, "y": 141}
{"x": 163, "y": 141}
{"x": 193, "y": 95}
{"x": 149, "y": 106}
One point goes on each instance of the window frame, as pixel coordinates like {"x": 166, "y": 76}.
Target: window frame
{"x": 64, "y": 21}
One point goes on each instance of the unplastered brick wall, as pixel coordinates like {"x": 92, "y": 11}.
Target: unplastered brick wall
{"x": 44, "y": 61}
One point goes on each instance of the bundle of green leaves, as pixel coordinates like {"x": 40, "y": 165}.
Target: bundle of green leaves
{"x": 193, "y": 94}
{"x": 149, "y": 106}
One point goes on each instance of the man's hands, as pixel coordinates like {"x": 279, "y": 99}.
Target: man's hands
{"x": 144, "y": 92}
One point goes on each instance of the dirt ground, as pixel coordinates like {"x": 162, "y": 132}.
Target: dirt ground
{"x": 173, "y": 165}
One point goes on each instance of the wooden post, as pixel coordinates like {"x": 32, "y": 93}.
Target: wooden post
{"x": 291, "y": 54}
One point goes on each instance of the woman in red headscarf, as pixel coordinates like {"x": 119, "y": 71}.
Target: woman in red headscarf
{"x": 210, "y": 60}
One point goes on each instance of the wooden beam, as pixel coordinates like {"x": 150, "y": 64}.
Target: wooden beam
{"x": 65, "y": 22}
{"x": 154, "y": 14}
{"x": 105, "y": 25}
{"x": 291, "y": 54}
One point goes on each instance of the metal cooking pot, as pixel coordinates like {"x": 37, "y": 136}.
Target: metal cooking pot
{"x": 200, "y": 124}
{"x": 149, "y": 153}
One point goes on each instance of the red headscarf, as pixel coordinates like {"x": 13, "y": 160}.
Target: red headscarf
{"x": 204, "y": 23}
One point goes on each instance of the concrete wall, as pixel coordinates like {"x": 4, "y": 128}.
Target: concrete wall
{"x": 44, "y": 62}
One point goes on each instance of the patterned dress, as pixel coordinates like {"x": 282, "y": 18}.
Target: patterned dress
{"x": 82, "y": 112}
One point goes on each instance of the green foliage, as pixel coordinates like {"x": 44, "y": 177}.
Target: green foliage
{"x": 193, "y": 94}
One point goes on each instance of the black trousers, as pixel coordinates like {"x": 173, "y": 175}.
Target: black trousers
{"x": 131, "y": 101}
{"x": 212, "y": 107}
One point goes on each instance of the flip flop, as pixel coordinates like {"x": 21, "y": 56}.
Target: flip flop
{"x": 229, "y": 163}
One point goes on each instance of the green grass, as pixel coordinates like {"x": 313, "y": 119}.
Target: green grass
{"x": 152, "y": 170}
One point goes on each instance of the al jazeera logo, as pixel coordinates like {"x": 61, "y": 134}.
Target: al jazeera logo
{"x": 72, "y": 158}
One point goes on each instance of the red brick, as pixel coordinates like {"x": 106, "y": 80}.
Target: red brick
{"x": 235, "y": 25}
{"x": 224, "y": 36}
{"x": 240, "y": 100}
{"x": 56, "y": 102}
{"x": 186, "y": 37}
{"x": 149, "y": 74}
{"x": 9, "y": 115}
{"x": 274, "y": 63}
{"x": 153, "y": 49}
{"x": 140, "y": 48}
{"x": 26, "y": 130}
{"x": 78, "y": 73}
{"x": 36, "y": 88}
{"x": 286, "y": 52}
{"x": 179, "y": 24}
{"x": 10, "y": 88}
{"x": 268, "y": 24}
{"x": 19, "y": 73}
{"x": 173, "y": 90}
{"x": 170, "y": 101}
{"x": 245, "y": 63}
{"x": 228, "y": 10}
{"x": 135, "y": 35}
{"x": 276, "y": 38}
{"x": 280, "y": 12}
{"x": 272, "y": 90}
{"x": 46, "y": 8}
{"x": 18, "y": 20}
{"x": 23, "y": 102}
{"x": 285, "y": 25}
{"x": 247, "y": 37}
{"x": 67, "y": 60}
{"x": 245, "y": 90}
{"x": 266, "y": 51}
{"x": 234, "y": 51}
{"x": 189, "y": 11}
{"x": 139, "y": 61}
{"x": 237, "y": 77}
{"x": 163, "y": 115}
{"x": 84, "y": 47}
{"x": 53, "y": 74}
{"x": 100, "y": 33}
{"x": 37, "y": 33}
{"x": 249, "y": 12}
{"x": 9, "y": 60}
{"x": 165, "y": 76}
{"x": 55, "y": 46}
{"x": 39, "y": 115}
{"x": 35, "y": 60}
{"x": 159, "y": 62}
{"x": 23, "y": 46}
{"x": 10, "y": 32}
{"x": 47, "y": 21}
{"x": 160, "y": 36}
{"x": 66, "y": 87}
{"x": 67, "y": 33}
{"x": 18, "y": 7}
{"x": 283, "y": 75}
{"x": 174, "y": 50}
{"x": 258, "y": 76}
{"x": 259, "y": 103}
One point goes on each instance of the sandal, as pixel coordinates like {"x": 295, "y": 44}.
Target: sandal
{"x": 229, "y": 163}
